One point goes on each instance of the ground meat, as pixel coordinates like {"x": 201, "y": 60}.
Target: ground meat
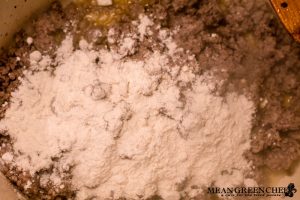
{"x": 10, "y": 69}
{"x": 49, "y": 29}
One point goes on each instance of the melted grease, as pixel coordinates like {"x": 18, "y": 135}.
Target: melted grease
{"x": 223, "y": 5}
{"x": 108, "y": 15}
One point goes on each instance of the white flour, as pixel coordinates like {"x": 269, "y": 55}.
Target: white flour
{"x": 125, "y": 128}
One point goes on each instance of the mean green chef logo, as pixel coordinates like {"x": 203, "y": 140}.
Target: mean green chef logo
{"x": 288, "y": 191}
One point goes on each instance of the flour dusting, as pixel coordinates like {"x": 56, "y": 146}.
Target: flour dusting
{"x": 125, "y": 127}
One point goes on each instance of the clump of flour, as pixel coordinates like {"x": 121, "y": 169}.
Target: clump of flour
{"x": 127, "y": 128}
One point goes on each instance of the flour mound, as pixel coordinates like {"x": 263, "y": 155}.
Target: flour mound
{"x": 128, "y": 128}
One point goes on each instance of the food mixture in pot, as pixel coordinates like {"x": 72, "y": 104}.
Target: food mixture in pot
{"x": 148, "y": 99}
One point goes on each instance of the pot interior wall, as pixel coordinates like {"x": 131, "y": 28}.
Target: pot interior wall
{"x": 14, "y": 13}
